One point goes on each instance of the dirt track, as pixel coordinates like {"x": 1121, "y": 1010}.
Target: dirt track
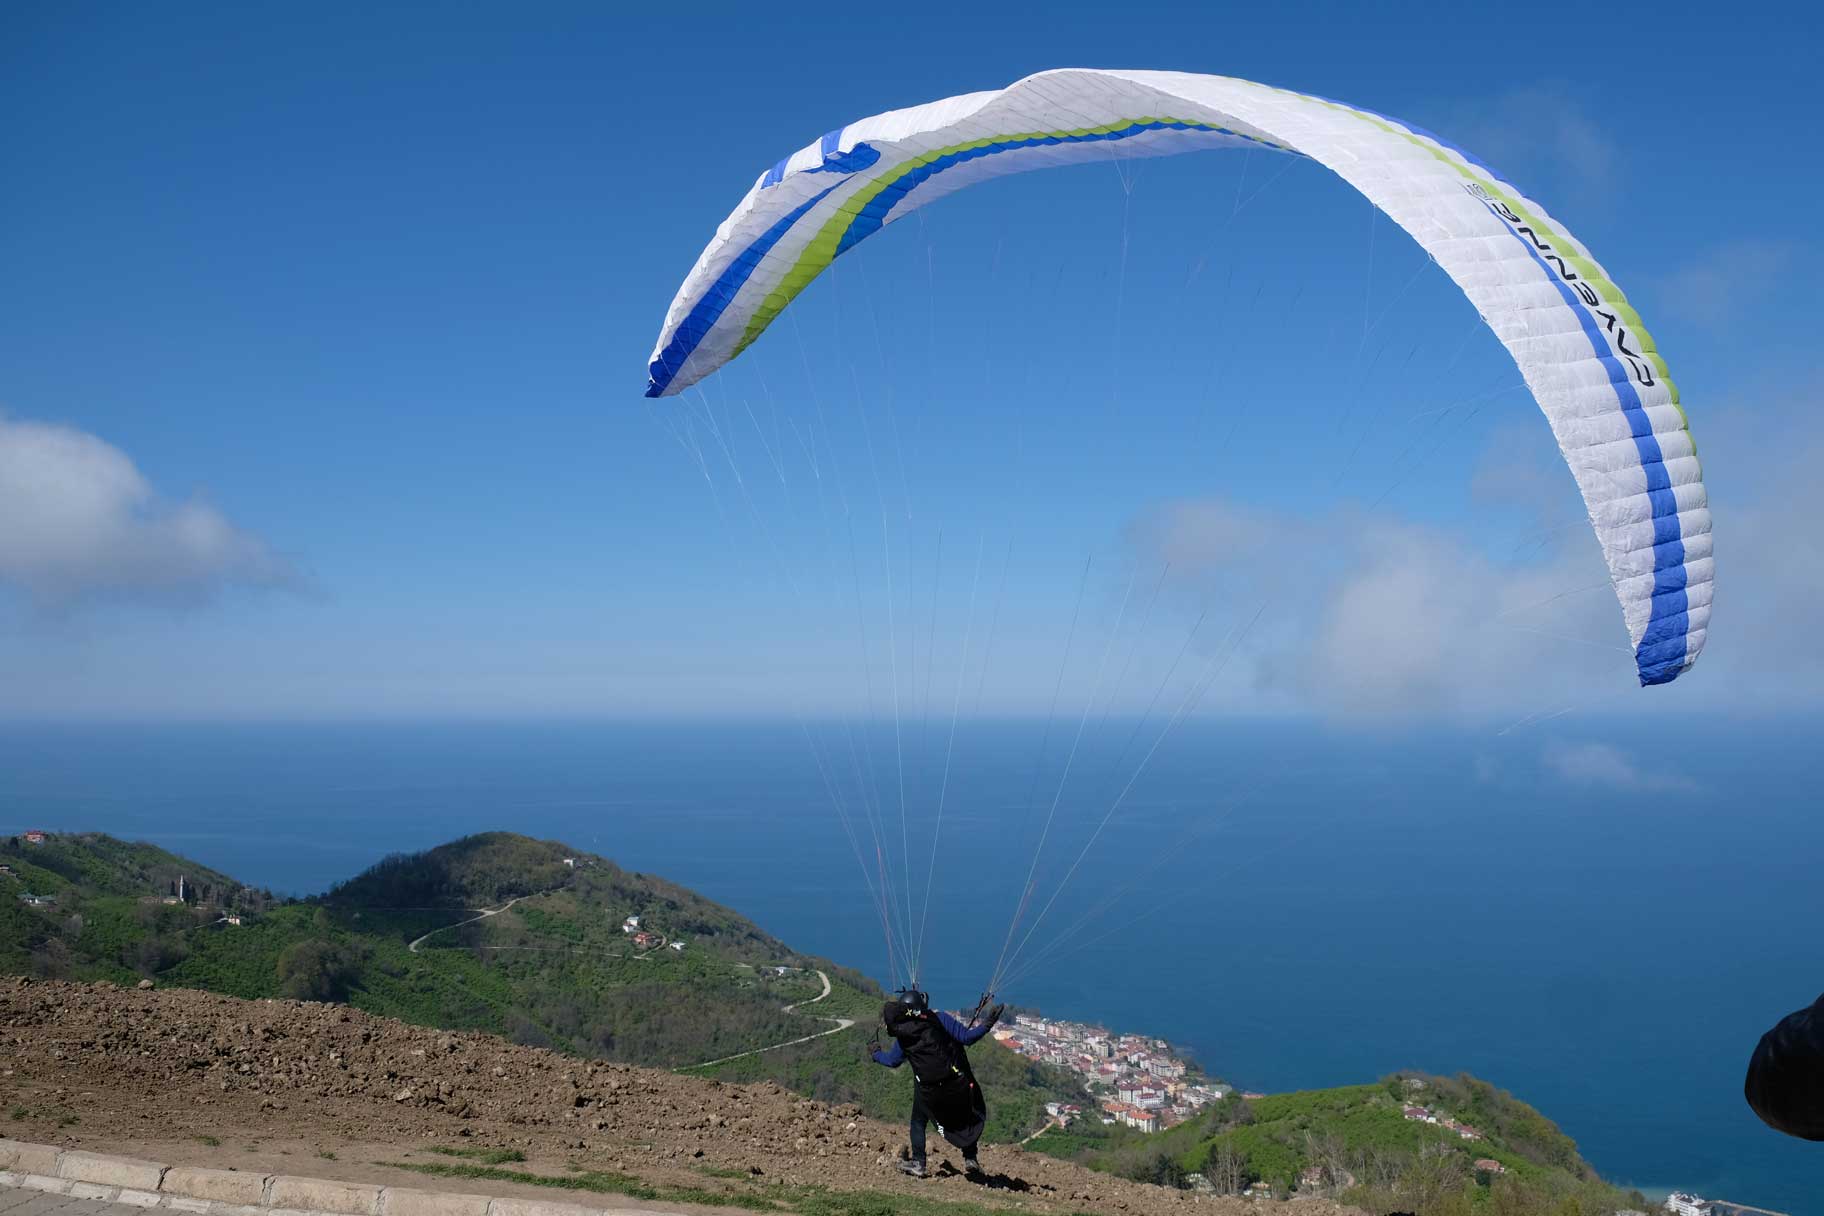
{"x": 841, "y": 1024}
{"x": 161, "y": 1072}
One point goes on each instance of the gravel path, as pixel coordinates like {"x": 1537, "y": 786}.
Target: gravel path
{"x": 485, "y": 913}
{"x": 841, "y": 1024}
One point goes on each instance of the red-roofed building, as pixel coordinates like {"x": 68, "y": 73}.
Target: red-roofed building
{"x": 1132, "y": 1116}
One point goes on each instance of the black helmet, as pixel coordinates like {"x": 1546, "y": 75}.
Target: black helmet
{"x": 907, "y": 1002}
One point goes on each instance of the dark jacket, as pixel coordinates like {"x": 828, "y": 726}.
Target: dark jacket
{"x": 933, "y": 1041}
{"x": 1785, "y": 1083}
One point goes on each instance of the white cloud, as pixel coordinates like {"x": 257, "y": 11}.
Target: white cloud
{"x": 1373, "y": 616}
{"x": 1543, "y": 138}
{"x": 79, "y": 523}
{"x": 1606, "y": 767}
{"x": 1728, "y": 279}
{"x": 1507, "y": 611}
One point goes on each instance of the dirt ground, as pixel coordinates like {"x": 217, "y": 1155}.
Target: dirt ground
{"x": 324, "y": 1090}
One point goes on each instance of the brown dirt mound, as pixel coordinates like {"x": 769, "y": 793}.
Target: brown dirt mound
{"x": 166, "y": 1073}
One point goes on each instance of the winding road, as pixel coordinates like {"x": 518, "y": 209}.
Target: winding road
{"x": 841, "y": 1025}
{"x": 485, "y": 913}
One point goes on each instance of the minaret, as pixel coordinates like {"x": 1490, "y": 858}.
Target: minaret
{"x": 180, "y": 888}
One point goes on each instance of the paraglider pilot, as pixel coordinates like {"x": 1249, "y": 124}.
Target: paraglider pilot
{"x": 944, "y": 1089}
{"x": 1785, "y": 1082}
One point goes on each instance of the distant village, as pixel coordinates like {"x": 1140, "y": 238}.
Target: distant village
{"x": 1147, "y": 1087}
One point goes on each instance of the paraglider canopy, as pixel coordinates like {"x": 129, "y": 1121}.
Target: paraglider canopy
{"x": 1583, "y": 350}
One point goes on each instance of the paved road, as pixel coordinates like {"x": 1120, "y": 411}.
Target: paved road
{"x": 22, "y": 1202}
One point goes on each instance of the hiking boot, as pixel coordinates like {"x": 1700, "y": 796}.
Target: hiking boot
{"x": 914, "y": 1168}
{"x": 971, "y": 1166}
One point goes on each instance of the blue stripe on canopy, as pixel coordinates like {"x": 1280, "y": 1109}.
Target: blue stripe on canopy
{"x": 873, "y": 217}
{"x": 708, "y": 310}
{"x": 1660, "y": 655}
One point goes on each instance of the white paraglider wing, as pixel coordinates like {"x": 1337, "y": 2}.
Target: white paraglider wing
{"x": 1583, "y": 351}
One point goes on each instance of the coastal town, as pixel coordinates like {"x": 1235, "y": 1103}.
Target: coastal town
{"x": 1144, "y": 1085}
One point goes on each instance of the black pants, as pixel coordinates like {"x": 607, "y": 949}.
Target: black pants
{"x": 958, "y": 1109}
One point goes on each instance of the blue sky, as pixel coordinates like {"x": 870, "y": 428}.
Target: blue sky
{"x": 322, "y": 353}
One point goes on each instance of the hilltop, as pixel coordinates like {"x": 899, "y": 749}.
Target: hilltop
{"x": 552, "y": 966}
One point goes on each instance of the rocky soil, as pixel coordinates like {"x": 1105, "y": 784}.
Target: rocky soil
{"x": 166, "y": 1073}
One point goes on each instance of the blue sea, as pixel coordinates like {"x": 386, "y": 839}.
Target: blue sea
{"x": 1601, "y": 919}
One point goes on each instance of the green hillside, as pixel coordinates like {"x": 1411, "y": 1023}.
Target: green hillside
{"x": 1358, "y": 1144}
{"x": 107, "y": 915}
{"x": 106, "y": 866}
{"x": 556, "y": 968}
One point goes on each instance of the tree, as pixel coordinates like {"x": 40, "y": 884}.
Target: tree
{"x": 1225, "y": 1168}
{"x": 151, "y": 955}
{"x": 51, "y": 961}
{"x": 317, "y": 970}
{"x": 1329, "y": 1153}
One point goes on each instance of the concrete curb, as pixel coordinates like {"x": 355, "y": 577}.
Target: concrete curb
{"x": 184, "y": 1188}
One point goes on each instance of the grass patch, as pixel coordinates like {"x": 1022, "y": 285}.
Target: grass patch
{"x": 326, "y": 1155}
{"x": 211, "y": 1141}
{"x": 487, "y": 1156}
{"x": 69, "y": 1121}
{"x": 604, "y": 1182}
{"x": 20, "y": 1113}
{"x": 718, "y": 1171}
{"x": 816, "y": 1201}
{"x": 770, "y": 1197}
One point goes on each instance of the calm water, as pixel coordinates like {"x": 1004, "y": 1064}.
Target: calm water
{"x": 1300, "y": 906}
